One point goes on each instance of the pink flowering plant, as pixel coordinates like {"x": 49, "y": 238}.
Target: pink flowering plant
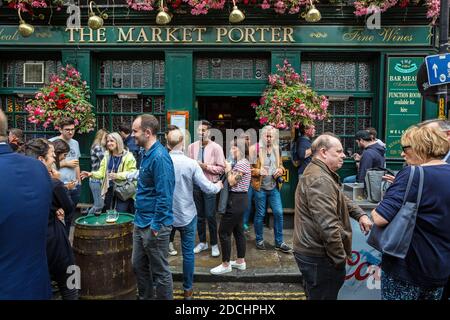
{"x": 66, "y": 96}
{"x": 202, "y": 7}
{"x": 289, "y": 102}
{"x": 364, "y": 7}
{"x": 30, "y": 5}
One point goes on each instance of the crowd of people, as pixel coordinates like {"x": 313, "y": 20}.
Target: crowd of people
{"x": 177, "y": 189}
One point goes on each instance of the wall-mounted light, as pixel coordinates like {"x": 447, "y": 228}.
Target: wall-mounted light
{"x": 25, "y": 29}
{"x": 96, "y": 22}
{"x": 313, "y": 15}
{"x": 236, "y": 15}
{"x": 163, "y": 17}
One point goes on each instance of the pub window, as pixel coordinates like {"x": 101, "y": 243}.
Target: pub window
{"x": 348, "y": 86}
{"x": 126, "y": 74}
{"x": 128, "y": 88}
{"x": 225, "y": 68}
{"x": 112, "y": 111}
{"x": 14, "y": 94}
{"x": 13, "y": 71}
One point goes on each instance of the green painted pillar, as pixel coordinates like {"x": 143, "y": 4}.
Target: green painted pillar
{"x": 180, "y": 84}
{"x": 81, "y": 60}
{"x": 288, "y": 190}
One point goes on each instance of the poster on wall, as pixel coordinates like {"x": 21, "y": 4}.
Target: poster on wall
{"x": 362, "y": 279}
{"x": 403, "y": 100}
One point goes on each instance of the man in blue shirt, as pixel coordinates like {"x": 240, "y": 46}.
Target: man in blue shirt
{"x": 188, "y": 173}
{"x": 154, "y": 217}
{"x": 129, "y": 141}
{"x": 25, "y": 200}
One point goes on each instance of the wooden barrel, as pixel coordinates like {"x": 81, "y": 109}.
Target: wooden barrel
{"x": 103, "y": 253}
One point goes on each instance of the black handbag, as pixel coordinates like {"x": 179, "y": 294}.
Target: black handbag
{"x": 395, "y": 238}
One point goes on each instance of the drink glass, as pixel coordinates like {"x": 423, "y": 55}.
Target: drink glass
{"x": 111, "y": 216}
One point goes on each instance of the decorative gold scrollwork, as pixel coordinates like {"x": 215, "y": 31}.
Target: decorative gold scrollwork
{"x": 318, "y": 35}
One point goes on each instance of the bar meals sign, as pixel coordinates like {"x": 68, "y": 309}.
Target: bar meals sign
{"x": 222, "y": 35}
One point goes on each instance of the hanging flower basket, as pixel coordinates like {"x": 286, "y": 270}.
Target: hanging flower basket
{"x": 65, "y": 96}
{"x": 289, "y": 102}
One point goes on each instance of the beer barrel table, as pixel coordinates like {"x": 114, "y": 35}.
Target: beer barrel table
{"x": 103, "y": 253}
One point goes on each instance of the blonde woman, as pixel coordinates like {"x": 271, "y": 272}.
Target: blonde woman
{"x": 97, "y": 153}
{"x": 116, "y": 164}
{"x": 423, "y": 273}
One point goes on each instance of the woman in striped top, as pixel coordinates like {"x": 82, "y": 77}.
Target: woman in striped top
{"x": 239, "y": 177}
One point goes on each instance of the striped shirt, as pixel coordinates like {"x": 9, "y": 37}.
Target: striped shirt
{"x": 242, "y": 166}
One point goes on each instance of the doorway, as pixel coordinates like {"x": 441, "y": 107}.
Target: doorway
{"x": 228, "y": 112}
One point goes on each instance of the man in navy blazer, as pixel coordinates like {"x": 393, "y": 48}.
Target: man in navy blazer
{"x": 25, "y": 199}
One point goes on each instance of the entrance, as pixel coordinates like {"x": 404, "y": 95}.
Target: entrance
{"x": 228, "y": 112}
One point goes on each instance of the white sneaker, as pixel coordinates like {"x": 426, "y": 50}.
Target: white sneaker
{"x": 215, "y": 250}
{"x": 172, "y": 250}
{"x": 220, "y": 269}
{"x": 240, "y": 266}
{"x": 201, "y": 247}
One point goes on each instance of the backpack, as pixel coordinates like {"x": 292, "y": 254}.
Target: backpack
{"x": 374, "y": 184}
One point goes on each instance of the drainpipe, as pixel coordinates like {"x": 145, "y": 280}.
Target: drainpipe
{"x": 443, "y": 44}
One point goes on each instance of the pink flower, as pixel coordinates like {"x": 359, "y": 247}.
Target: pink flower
{"x": 263, "y": 120}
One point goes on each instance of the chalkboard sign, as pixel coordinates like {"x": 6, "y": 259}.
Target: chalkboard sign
{"x": 403, "y": 100}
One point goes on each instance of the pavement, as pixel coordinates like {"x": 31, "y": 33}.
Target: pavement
{"x": 263, "y": 266}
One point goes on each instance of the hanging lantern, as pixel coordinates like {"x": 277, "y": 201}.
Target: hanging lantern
{"x": 236, "y": 15}
{"x": 313, "y": 15}
{"x": 163, "y": 17}
{"x": 95, "y": 22}
{"x": 25, "y": 29}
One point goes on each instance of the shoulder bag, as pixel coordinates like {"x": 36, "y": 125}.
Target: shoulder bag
{"x": 395, "y": 238}
{"x": 124, "y": 189}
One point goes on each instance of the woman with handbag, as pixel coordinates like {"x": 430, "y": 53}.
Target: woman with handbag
{"x": 232, "y": 221}
{"x": 425, "y": 268}
{"x": 114, "y": 168}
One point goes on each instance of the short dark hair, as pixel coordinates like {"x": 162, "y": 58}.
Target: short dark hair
{"x": 363, "y": 135}
{"x": 205, "y": 123}
{"x": 124, "y": 128}
{"x": 372, "y": 132}
{"x": 171, "y": 127}
{"x": 149, "y": 121}
{"x": 17, "y": 132}
{"x": 60, "y": 147}
{"x": 35, "y": 148}
{"x": 65, "y": 121}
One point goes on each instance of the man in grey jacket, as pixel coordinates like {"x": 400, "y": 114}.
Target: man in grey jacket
{"x": 322, "y": 229}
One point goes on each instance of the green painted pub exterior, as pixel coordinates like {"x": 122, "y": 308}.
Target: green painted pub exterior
{"x": 214, "y": 70}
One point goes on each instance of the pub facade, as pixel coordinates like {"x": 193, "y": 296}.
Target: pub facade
{"x": 204, "y": 67}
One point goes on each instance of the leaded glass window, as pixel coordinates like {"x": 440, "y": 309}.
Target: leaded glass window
{"x": 130, "y": 74}
{"x": 12, "y": 72}
{"x": 212, "y": 68}
{"x": 113, "y": 111}
{"x": 347, "y": 117}
{"x": 338, "y": 76}
{"x": 14, "y": 108}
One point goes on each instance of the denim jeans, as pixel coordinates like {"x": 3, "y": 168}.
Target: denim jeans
{"x": 274, "y": 198}
{"x": 74, "y": 195}
{"x": 150, "y": 263}
{"x": 187, "y": 247}
{"x": 206, "y": 211}
{"x": 321, "y": 279}
{"x": 349, "y": 179}
{"x": 112, "y": 202}
{"x": 96, "y": 189}
{"x": 248, "y": 210}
